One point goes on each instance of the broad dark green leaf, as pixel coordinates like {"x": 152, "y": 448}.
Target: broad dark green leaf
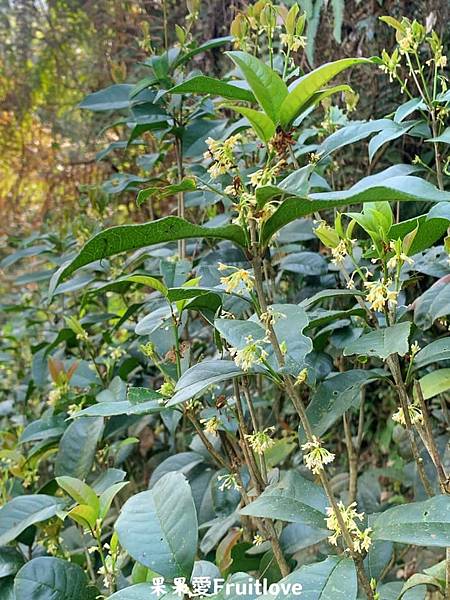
{"x": 369, "y": 189}
{"x": 158, "y": 527}
{"x": 295, "y": 184}
{"x": 349, "y": 134}
{"x": 305, "y": 263}
{"x": 48, "y": 578}
{"x": 436, "y": 351}
{"x": 48, "y": 427}
{"x": 420, "y": 523}
{"x": 433, "y": 303}
{"x": 387, "y": 134}
{"x": 11, "y": 560}
{"x": 305, "y": 87}
{"x": 382, "y": 342}
{"x": 429, "y": 229}
{"x": 140, "y": 591}
{"x": 268, "y": 87}
{"x": 199, "y": 377}
{"x": 201, "y": 84}
{"x": 23, "y": 511}
{"x": 294, "y": 499}
{"x": 132, "y": 237}
{"x": 261, "y": 123}
{"x": 114, "y": 97}
{"x": 209, "y": 45}
{"x": 335, "y": 396}
{"x": 187, "y": 185}
{"x": 77, "y": 447}
{"x": 435, "y": 383}
{"x": 332, "y": 579}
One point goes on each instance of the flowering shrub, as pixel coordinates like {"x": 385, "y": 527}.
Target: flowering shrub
{"x": 267, "y": 369}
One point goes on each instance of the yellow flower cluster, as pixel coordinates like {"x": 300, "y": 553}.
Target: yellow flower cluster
{"x": 316, "y": 457}
{"x": 267, "y": 175}
{"x": 222, "y": 154}
{"x": 229, "y": 482}
{"x": 399, "y": 257}
{"x": 292, "y": 41}
{"x": 390, "y": 64}
{"x": 260, "y": 441}
{"x": 235, "y": 281}
{"x": 210, "y": 425}
{"x": 379, "y": 294}
{"x": 361, "y": 538}
{"x": 415, "y": 415}
{"x": 252, "y": 354}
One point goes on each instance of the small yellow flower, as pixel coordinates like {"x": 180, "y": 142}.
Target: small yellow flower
{"x": 339, "y": 253}
{"x": 211, "y": 425}
{"x": 361, "y": 539}
{"x": 258, "y": 539}
{"x": 167, "y": 389}
{"x": 293, "y": 42}
{"x": 229, "y": 482}
{"x": 301, "y": 377}
{"x": 379, "y": 294}
{"x": 415, "y": 415}
{"x": 317, "y": 456}
{"x": 54, "y": 396}
{"x": 235, "y": 281}
{"x": 222, "y": 154}
{"x": 252, "y": 354}
{"x": 260, "y": 441}
{"x": 149, "y": 350}
{"x": 415, "y": 348}
{"x": 399, "y": 257}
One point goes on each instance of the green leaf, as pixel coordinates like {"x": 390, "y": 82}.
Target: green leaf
{"x": 332, "y": 579}
{"x": 369, "y": 189}
{"x": 151, "y": 282}
{"x": 84, "y": 515}
{"x": 140, "y": 591}
{"x": 114, "y": 97}
{"x": 420, "y": 523}
{"x": 199, "y": 377}
{"x": 290, "y": 321}
{"x": 295, "y": 184}
{"x": 382, "y": 342}
{"x": 132, "y": 237}
{"x": 337, "y": 394}
{"x": 158, "y": 528}
{"x": 11, "y": 560}
{"x": 261, "y": 123}
{"x": 201, "y": 84}
{"x": 79, "y": 491}
{"x": 433, "y": 304}
{"x": 209, "y": 45}
{"x": 48, "y": 578}
{"x": 434, "y": 352}
{"x": 430, "y": 228}
{"x": 23, "y": 511}
{"x": 443, "y": 138}
{"x": 268, "y": 87}
{"x": 349, "y": 134}
{"x": 108, "y": 496}
{"x": 435, "y": 383}
{"x": 294, "y": 499}
{"x": 387, "y": 134}
{"x": 187, "y": 185}
{"x": 77, "y": 447}
{"x": 305, "y": 87}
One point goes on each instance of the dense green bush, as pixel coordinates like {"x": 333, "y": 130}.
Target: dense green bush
{"x": 258, "y": 387}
